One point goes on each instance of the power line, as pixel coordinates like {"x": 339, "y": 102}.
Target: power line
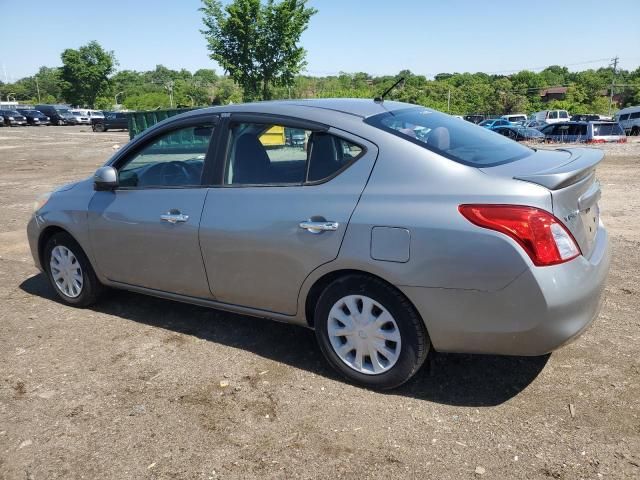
{"x": 586, "y": 62}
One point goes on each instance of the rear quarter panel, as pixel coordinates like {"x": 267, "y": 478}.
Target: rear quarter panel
{"x": 413, "y": 188}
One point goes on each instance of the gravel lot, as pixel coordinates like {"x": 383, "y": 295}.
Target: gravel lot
{"x": 134, "y": 388}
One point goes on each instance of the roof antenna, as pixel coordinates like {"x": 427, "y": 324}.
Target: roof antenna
{"x": 380, "y": 99}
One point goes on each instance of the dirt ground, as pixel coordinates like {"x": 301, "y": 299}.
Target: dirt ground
{"x": 131, "y": 389}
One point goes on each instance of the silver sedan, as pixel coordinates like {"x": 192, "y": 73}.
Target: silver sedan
{"x": 391, "y": 230}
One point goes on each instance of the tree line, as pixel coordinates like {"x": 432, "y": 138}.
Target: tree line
{"x": 458, "y": 93}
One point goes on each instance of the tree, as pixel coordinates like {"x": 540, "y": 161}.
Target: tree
{"x": 257, "y": 43}
{"x": 85, "y": 73}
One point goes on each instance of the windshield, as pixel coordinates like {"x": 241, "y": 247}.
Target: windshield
{"x": 462, "y": 142}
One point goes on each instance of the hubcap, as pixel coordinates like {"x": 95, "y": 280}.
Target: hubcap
{"x": 66, "y": 271}
{"x": 364, "y": 334}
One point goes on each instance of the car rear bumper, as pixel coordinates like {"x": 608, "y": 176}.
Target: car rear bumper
{"x": 540, "y": 311}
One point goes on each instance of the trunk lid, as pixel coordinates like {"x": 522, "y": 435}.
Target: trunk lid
{"x": 570, "y": 176}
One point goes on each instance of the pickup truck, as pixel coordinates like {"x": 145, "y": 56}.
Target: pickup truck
{"x": 111, "y": 121}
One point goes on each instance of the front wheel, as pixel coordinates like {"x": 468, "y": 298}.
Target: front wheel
{"x": 369, "y": 332}
{"x": 70, "y": 272}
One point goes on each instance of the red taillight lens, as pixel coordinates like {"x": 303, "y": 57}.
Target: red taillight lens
{"x": 596, "y": 140}
{"x": 541, "y": 234}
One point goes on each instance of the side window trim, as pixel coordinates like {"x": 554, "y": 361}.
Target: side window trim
{"x": 143, "y": 141}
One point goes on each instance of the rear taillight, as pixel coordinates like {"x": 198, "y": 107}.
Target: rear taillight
{"x": 596, "y": 140}
{"x": 541, "y": 234}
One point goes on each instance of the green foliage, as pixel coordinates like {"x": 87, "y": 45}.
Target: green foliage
{"x": 257, "y": 43}
{"x": 85, "y": 73}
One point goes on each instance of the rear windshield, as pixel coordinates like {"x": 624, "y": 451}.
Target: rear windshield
{"x": 462, "y": 142}
{"x": 605, "y": 129}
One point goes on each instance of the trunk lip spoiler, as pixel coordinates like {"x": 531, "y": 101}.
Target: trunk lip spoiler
{"x": 580, "y": 165}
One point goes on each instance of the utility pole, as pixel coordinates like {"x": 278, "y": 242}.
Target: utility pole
{"x": 169, "y": 87}
{"x": 37, "y": 87}
{"x": 613, "y": 82}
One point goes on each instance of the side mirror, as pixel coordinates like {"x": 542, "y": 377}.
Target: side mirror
{"x": 105, "y": 178}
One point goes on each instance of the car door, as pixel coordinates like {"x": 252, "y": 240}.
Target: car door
{"x": 145, "y": 232}
{"x": 281, "y": 209}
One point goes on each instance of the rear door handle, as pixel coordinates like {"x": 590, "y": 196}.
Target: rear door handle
{"x": 319, "y": 227}
{"x": 174, "y": 216}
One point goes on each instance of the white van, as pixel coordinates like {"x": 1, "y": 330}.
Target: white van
{"x": 520, "y": 118}
{"x": 629, "y": 120}
{"x": 552, "y": 116}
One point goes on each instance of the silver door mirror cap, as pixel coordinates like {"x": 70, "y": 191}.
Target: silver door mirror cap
{"x": 105, "y": 178}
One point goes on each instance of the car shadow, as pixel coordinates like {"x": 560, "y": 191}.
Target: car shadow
{"x": 451, "y": 379}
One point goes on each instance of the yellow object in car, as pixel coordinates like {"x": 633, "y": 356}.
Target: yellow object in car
{"x": 274, "y": 137}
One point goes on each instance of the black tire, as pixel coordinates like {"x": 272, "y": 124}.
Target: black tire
{"x": 635, "y": 131}
{"x": 91, "y": 289}
{"x": 99, "y": 127}
{"x": 414, "y": 338}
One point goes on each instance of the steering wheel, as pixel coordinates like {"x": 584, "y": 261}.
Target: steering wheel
{"x": 172, "y": 173}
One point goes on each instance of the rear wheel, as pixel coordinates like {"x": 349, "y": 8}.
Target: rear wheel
{"x": 369, "y": 332}
{"x": 70, "y": 272}
{"x": 99, "y": 127}
{"x": 635, "y": 131}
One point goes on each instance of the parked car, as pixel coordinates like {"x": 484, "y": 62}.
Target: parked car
{"x": 520, "y": 134}
{"x": 86, "y": 112}
{"x": 110, "y": 121}
{"x": 494, "y": 122}
{"x": 474, "y": 118}
{"x": 58, "y": 114}
{"x": 536, "y": 124}
{"x": 459, "y": 239}
{"x": 584, "y": 132}
{"x": 12, "y": 118}
{"x": 515, "y": 118}
{"x": 81, "y": 118}
{"x": 629, "y": 119}
{"x": 552, "y": 116}
{"x": 1, "y": 121}
{"x": 34, "y": 117}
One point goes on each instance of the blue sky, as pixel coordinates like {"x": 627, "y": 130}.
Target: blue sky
{"x": 375, "y": 36}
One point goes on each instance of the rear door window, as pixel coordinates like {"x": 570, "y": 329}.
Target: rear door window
{"x": 634, "y": 115}
{"x": 606, "y": 129}
{"x": 563, "y": 114}
{"x": 553, "y": 115}
{"x": 268, "y": 154}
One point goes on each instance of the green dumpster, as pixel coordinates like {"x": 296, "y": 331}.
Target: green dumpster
{"x": 140, "y": 121}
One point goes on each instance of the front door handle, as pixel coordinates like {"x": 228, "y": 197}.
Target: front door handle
{"x": 174, "y": 216}
{"x": 319, "y": 227}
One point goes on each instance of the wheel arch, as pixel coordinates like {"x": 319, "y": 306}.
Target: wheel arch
{"x": 321, "y": 283}
{"x": 44, "y": 237}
